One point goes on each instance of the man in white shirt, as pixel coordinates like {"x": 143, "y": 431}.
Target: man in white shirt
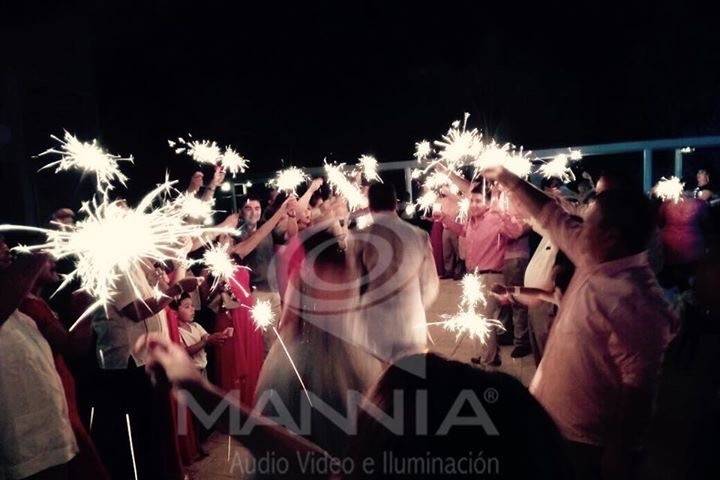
{"x": 598, "y": 374}
{"x": 401, "y": 282}
{"x": 126, "y": 391}
{"x": 35, "y": 431}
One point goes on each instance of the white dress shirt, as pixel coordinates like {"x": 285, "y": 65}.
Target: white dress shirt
{"x": 35, "y": 431}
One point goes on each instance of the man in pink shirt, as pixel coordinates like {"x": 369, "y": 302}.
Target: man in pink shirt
{"x": 599, "y": 369}
{"x": 487, "y": 233}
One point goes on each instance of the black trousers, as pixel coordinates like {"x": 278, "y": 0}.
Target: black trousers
{"x": 130, "y": 393}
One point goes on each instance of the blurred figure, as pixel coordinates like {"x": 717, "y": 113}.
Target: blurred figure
{"x": 705, "y": 189}
{"x": 400, "y": 280}
{"x": 511, "y": 438}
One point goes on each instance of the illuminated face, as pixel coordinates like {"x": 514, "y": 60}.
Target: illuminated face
{"x": 477, "y": 204}
{"x": 703, "y": 178}
{"x": 186, "y": 311}
{"x": 251, "y": 212}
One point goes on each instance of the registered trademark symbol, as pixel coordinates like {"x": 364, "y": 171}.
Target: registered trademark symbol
{"x": 491, "y": 395}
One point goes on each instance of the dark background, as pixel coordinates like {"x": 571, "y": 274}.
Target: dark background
{"x": 305, "y": 80}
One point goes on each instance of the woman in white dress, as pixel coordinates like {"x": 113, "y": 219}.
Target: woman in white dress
{"x": 320, "y": 328}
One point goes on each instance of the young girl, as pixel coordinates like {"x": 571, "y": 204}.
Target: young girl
{"x": 193, "y": 335}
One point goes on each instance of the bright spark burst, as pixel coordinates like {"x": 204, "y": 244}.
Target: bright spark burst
{"x": 423, "y": 149}
{"x": 519, "y": 163}
{"x": 426, "y": 201}
{"x": 369, "y": 165}
{"x": 262, "y": 315}
{"x": 459, "y": 145}
{"x": 289, "y": 179}
{"x": 233, "y": 162}
{"x": 339, "y": 182}
{"x": 87, "y": 157}
{"x": 194, "y": 207}
{"x": 114, "y": 241}
{"x": 468, "y": 321}
{"x": 558, "y": 167}
{"x": 669, "y": 189}
{"x": 202, "y": 151}
{"x": 575, "y": 155}
{"x": 410, "y": 209}
{"x": 472, "y": 291}
{"x": 222, "y": 266}
{"x": 463, "y": 209}
{"x": 492, "y": 155}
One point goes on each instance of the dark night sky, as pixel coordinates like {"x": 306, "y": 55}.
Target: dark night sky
{"x": 314, "y": 79}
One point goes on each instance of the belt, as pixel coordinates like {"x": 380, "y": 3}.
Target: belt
{"x": 485, "y": 272}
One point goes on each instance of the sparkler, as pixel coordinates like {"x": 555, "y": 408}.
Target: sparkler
{"x": 263, "y": 319}
{"x": 519, "y": 163}
{"x": 369, "y": 166}
{"x": 468, "y": 321}
{"x": 463, "y": 210}
{"x": 426, "y": 201}
{"x": 114, "y": 241}
{"x": 194, "y": 207}
{"x": 222, "y": 267}
{"x": 339, "y": 182}
{"x": 202, "y": 151}
{"x": 423, "y": 149}
{"x": 289, "y": 179}
{"x": 233, "y": 162}
{"x": 459, "y": 145}
{"x": 669, "y": 189}
{"x": 558, "y": 167}
{"x": 87, "y": 157}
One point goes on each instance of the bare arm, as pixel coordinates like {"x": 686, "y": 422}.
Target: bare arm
{"x": 243, "y": 248}
{"x": 139, "y": 310}
{"x": 464, "y": 185}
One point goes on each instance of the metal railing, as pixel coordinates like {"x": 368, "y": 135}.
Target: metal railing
{"x": 646, "y": 147}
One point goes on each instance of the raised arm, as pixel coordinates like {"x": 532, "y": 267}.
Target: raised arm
{"x": 464, "y": 185}
{"x": 242, "y": 249}
{"x": 561, "y": 227}
{"x": 217, "y": 179}
{"x": 140, "y": 309}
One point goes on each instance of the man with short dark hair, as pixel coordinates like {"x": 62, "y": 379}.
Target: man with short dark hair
{"x": 263, "y": 278}
{"x": 599, "y": 369}
{"x": 400, "y": 280}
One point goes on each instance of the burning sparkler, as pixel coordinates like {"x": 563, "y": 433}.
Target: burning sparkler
{"x": 233, "y": 162}
{"x": 194, "y": 207}
{"x": 263, "y": 318}
{"x": 87, "y": 157}
{"x": 558, "y": 167}
{"x": 423, "y": 150}
{"x": 369, "y": 166}
{"x": 426, "y": 201}
{"x": 202, "y": 151}
{"x": 338, "y": 180}
{"x": 459, "y": 145}
{"x": 222, "y": 267}
{"x": 289, "y": 179}
{"x": 114, "y": 241}
{"x": 463, "y": 210}
{"x": 669, "y": 189}
{"x": 468, "y": 321}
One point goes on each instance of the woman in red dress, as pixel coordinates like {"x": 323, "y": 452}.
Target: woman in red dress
{"x": 87, "y": 463}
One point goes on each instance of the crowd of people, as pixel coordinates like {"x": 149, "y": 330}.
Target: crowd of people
{"x": 611, "y": 293}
